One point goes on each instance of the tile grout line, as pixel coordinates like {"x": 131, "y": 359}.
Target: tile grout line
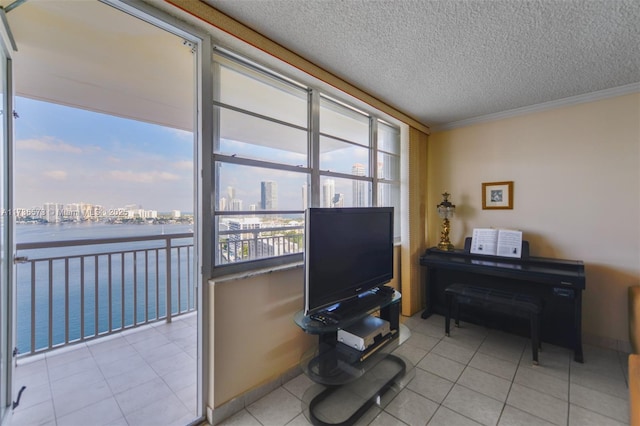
{"x": 113, "y": 395}
{"x": 53, "y": 405}
{"x": 441, "y": 404}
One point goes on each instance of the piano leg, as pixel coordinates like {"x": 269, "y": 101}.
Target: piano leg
{"x": 430, "y": 293}
{"x": 577, "y": 306}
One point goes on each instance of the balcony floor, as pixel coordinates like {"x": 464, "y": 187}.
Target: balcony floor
{"x": 143, "y": 376}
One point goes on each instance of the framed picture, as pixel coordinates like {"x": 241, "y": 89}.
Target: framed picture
{"x": 497, "y": 195}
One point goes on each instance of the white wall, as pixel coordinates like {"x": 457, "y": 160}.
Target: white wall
{"x": 576, "y": 173}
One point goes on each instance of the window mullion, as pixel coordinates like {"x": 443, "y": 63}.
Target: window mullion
{"x": 256, "y": 115}
{"x": 258, "y": 163}
{"x": 254, "y": 212}
{"x": 329, "y": 173}
{"x": 214, "y": 167}
{"x": 373, "y": 158}
{"x": 314, "y": 146}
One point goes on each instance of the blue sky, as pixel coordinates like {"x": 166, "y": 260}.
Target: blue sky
{"x": 68, "y": 155}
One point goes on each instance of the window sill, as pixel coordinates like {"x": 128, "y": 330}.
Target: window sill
{"x": 255, "y": 272}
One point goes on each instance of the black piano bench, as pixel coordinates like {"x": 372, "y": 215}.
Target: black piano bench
{"x": 500, "y": 301}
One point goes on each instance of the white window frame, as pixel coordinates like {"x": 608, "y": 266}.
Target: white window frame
{"x": 312, "y": 168}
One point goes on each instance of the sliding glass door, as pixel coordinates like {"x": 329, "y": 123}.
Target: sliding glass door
{"x": 6, "y": 240}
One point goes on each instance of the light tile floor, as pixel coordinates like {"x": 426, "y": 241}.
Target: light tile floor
{"x": 143, "y": 376}
{"x": 478, "y": 377}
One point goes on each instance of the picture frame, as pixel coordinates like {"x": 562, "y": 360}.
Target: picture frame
{"x": 497, "y": 195}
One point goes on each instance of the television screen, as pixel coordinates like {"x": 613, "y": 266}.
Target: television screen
{"x": 348, "y": 251}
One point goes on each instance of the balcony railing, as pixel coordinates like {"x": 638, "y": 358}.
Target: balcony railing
{"x": 250, "y": 244}
{"x": 76, "y": 290}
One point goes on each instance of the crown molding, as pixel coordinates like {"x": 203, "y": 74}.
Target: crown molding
{"x": 573, "y": 100}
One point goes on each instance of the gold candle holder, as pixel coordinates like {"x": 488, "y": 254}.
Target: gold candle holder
{"x": 445, "y": 211}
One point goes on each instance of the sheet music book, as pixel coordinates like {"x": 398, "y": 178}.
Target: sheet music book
{"x": 496, "y": 242}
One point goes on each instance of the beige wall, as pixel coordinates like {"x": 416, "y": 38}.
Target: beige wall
{"x": 576, "y": 173}
{"x": 255, "y": 339}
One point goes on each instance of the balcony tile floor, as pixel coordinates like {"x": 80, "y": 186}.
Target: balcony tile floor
{"x": 478, "y": 377}
{"x": 143, "y": 376}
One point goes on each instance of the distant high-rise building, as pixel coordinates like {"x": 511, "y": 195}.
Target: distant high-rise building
{"x": 359, "y": 187}
{"x": 236, "y": 205}
{"x": 176, "y": 214}
{"x": 96, "y": 212}
{"x": 73, "y": 212}
{"x": 52, "y": 212}
{"x": 269, "y": 195}
{"x": 237, "y": 247}
{"x": 87, "y": 211}
{"x": 328, "y": 191}
{"x": 147, "y": 214}
{"x": 231, "y": 192}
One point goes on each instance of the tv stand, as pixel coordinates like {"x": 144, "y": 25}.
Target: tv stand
{"x": 340, "y": 370}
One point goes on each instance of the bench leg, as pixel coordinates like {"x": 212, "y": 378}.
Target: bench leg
{"x": 535, "y": 338}
{"x": 539, "y": 318}
{"x": 447, "y": 317}
{"x": 457, "y": 313}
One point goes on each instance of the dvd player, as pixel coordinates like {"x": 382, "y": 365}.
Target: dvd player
{"x": 364, "y": 333}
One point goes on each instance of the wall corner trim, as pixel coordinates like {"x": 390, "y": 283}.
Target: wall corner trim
{"x": 573, "y": 100}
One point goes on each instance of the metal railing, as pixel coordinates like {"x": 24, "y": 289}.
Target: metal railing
{"x": 250, "y": 244}
{"x": 76, "y": 290}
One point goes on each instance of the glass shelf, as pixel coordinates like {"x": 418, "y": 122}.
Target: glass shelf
{"x": 312, "y": 326}
{"x": 344, "y": 405}
{"x": 349, "y": 382}
{"x": 342, "y": 364}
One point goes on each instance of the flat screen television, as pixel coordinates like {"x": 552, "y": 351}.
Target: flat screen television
{"x": 348, "y": 251}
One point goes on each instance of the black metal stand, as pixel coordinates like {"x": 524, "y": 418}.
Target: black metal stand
{"x": 364, "y": 407}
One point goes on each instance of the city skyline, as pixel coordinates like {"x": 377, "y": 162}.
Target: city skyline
{"x": 126, "y": 207}
{"x": 269, "y": 196}
{"x": 80, "y": 211}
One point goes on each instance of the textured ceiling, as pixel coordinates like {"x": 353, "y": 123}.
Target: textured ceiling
{"x": 447, "y": 61}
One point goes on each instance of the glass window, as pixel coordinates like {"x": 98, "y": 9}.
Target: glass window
{"x": 251, "y": 189}
{"x": 343, "y": 123}
{"x": 388, "y": 138}
{"x": 263, "y": 170}
{"x": 388, "y": 166}
{"x": 261, "y": 164}
{"x": 388, "y": 171}
{"x": 253, "y": 90}
{"x": 343, "y": 157}
{"x": 247, "y": 136}
{"x": 340, "y": 192}
{"x": 247, "y": 238}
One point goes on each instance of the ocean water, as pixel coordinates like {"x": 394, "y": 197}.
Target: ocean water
{"x": 114, "y": 288}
